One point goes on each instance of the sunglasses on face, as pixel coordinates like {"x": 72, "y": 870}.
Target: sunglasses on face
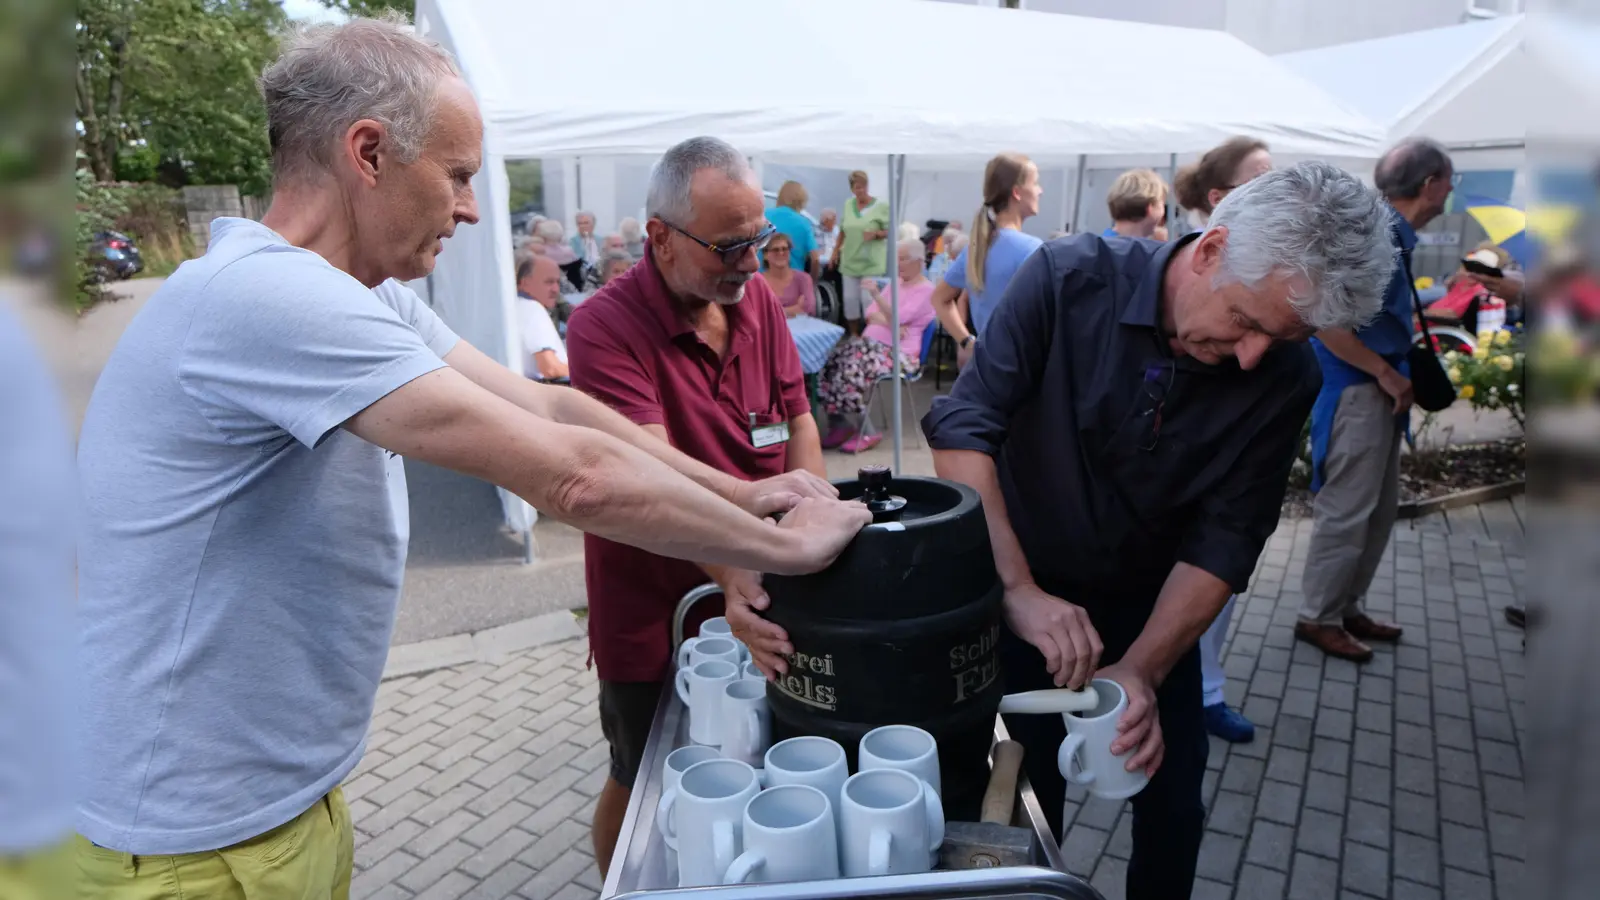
{"x": 730, "y": 253}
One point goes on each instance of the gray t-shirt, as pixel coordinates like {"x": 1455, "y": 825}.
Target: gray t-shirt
{"x": 241, "y": 554}
{"x": 36, "y": 663}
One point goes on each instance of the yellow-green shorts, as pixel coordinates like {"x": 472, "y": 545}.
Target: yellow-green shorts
{"x": 307, "y": 858}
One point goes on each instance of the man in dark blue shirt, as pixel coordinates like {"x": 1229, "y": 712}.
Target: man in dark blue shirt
{"x": 1129, "y": 420}
{"x": 1358, "y": 420}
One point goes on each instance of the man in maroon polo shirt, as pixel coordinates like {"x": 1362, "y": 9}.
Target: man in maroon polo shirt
{"x": 689, "y": 345}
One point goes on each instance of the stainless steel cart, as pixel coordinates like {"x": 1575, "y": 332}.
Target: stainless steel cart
{"x": 641, "y": 866}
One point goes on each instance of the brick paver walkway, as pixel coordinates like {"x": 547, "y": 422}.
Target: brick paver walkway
{"x": 1399, "y": 779}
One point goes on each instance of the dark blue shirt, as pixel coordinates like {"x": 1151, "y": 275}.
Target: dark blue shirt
{"x": 1117, "y": 459}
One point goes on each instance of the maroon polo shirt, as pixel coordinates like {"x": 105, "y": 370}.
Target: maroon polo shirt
{"x": 628, "y": 347}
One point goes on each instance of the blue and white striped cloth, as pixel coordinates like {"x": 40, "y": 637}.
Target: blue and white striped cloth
{"x": 814, "y": 338}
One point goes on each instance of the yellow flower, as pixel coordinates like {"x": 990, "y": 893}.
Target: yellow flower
{"x": 1466, "y": 392}
{"x": 1482, "y": 352}
{"x": 1452, "y": 356}
{"x": 1486, "y": 336}
{"x": 1455, "y": 374}
{"x": 1504, "y": 362}
{"x": 1502, "y": 338}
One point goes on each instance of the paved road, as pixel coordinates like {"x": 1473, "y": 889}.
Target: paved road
{"x": 1399, "y": 779}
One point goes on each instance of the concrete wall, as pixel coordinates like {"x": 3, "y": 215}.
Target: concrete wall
{"x": 202, "y": 203}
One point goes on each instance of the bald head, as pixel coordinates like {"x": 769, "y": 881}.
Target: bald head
{"x": 1416, "y": 176}
{"x": 540, "y": 278}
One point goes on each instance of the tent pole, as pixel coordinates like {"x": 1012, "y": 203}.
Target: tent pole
{"x": 1077, "y": 194}
{"x": 577, "y": 188}
{"x": 896, "y": 177}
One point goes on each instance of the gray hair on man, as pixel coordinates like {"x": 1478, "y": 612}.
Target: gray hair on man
{"x": 330, "y": 76}
{"x": 1402, "y": 172}
{"x": 671, "y": 177}
{"x": 1316, "y": 222}
{"x": 958, "y": 243}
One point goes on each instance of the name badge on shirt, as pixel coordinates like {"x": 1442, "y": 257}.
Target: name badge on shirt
{"x": 767, "y": 435}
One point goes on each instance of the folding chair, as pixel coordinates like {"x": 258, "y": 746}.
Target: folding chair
{"x": 908, "y": 378}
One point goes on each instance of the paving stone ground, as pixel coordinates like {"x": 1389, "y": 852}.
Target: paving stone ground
{"x": 1399, "y": 779}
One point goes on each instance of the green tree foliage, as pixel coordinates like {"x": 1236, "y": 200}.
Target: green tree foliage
{"x": 526, "y": 179}
{"x": 372, "y": 7}
{"x": 166, "y": 89}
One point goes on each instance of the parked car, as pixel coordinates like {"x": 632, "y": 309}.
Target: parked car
{"x": 114, "y": 256}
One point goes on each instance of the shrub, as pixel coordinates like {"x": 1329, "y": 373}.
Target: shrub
{"x": 1494, "y": 375}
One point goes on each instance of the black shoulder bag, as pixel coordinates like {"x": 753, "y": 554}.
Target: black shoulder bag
{"x": 1430, "y": 386}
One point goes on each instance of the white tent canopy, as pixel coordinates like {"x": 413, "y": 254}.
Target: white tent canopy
{"x": 808, "y": 80}
{"x": 1465, "y": 86}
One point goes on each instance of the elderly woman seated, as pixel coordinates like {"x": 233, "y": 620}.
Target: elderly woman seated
{"x": 857, "y": 362}
{"x": 794, "y": 288}
{"x": 1466, "y": 291}
{"x": 613, "y": 261}
{"x": 632, "y": 234}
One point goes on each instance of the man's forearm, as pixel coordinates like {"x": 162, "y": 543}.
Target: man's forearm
{"x": 977, "y": 471}
{"x": 571, "y": 407}
{"x": 1189, "y": 602}
{"x": 1343, "y": 343}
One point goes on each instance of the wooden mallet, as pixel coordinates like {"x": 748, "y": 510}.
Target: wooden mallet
{"x": 994, "y": 841}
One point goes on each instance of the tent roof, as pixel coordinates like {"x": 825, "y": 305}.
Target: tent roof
{"x": 1460, "y": 85}
{"x": 784, "y": 78}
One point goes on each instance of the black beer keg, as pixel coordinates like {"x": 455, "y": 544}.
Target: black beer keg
{"x": 902, "y": 629}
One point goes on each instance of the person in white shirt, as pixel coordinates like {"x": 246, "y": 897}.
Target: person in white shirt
{"x": 544, "y": 356}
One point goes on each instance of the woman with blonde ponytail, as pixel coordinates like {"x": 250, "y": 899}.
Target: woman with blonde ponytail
{"x": 995, "y": 250}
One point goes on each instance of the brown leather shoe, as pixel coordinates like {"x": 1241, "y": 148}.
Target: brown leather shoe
{"x": 1363, "y": 627}
{"x": 1333, "y": 640}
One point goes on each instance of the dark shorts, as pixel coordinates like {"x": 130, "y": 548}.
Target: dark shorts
{"x": 626, "y": 710}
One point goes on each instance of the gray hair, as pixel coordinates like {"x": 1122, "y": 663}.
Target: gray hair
{"x": 1317, "y": 222}
{"x": 1405, "y": 169}
{"x": 671, "y": 176}
{"x": 629, "y": 229}
{"x": 581, "y": 213}
{"x": 550, "y": 230}
{"x": 908, "y": 231}
{"x": 915, "y": 245}
{"x": 330, "y": 76}
{"x": 958, "y": 243}
{"x": 614, "y": 256}
{"x": 828, "y": 212}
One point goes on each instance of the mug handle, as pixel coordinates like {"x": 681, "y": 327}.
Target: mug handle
{"x": 935, "y": 812}
{"x": 752, "y": 721}
{"x": 684, "y": 651}
{"x": 682, "y": 681}
{"x": 722, "y": 845}
{"x": 1067, "y": 760}
{"x": 664, "y": 818}
{"x": 878, "y": 852}
{"x": 744, "y": 867}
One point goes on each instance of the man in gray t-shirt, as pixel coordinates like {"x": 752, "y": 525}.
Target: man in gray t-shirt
{"x": 245, "y": 505}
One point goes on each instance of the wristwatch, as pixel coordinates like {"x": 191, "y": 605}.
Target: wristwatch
{"x": 968, "y": 341}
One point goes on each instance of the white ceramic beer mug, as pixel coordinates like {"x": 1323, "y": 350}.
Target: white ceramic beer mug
{"x": 809, "y": 760}
{"x": 703, "y": 649}
{"x": 789, "y": 835}
{"x": 700, "y": 689}
{"x": 672, "y": 769}
{"x": 706, "y": 815}
{"x": 890, "y": 823}
{"x": 718, "y": 627}
{"x": 1085, "y": 756}
{"x": 901, "y": 747}
{"x": 744, "y": 727}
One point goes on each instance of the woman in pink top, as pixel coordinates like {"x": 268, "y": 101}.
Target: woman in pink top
{"x": 793, "y": 287}
{"x": 856, "y": 362}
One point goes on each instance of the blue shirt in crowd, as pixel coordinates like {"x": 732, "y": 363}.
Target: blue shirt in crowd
{"x": 802, "y": 234}
{"x": 1009, "y": 248}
